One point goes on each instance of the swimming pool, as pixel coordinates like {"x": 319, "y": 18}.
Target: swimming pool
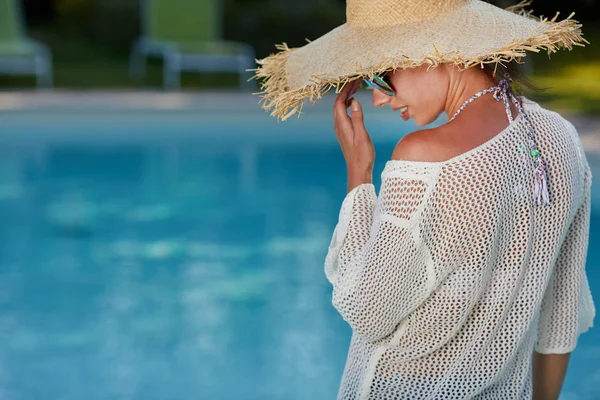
{"x": 179, "y": 255}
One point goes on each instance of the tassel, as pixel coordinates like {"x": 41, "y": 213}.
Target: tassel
{"x": 540, "y": 192}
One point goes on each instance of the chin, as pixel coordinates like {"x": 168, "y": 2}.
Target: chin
{"x": 423, "y": 121}
{"x": 420, "y": 122}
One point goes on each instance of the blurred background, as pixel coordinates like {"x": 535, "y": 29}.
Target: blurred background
{"x": 161, "y": 236}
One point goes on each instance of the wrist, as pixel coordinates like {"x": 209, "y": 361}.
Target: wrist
{"x": 359, "y": 177}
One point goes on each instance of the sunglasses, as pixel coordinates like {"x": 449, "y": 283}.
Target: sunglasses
{"x": 379, "y": 83}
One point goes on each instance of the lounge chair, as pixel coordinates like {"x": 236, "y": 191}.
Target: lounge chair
{"x": 186, "y": 34}
{"x": 19, "y": 55}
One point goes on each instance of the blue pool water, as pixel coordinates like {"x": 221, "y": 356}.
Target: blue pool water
{"x": 179, "y": 256}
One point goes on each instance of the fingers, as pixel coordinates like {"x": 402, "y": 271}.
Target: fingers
{"x": 357, "y": 84}
{"x": 345, "y": 96}
{"x": 357, "y": 116}
{"x": 341, "y": 104}
{"x": 348, "y": 90}
{"x": 342, "y": 100}
{"x": 343, "y": 125}
{"x": 354, "y": 86}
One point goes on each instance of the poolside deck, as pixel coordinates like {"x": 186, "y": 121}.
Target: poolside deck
{"x": 240, "y": 103}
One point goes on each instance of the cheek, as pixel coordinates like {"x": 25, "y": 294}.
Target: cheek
{"x": 429, "y": 102}
{"x": 409, "y": 92}
{"x": 427, "y": 109}
{"x": 415, "y": 92}
{"x": 422, "y": 103}
{"x": 419, "y": 90}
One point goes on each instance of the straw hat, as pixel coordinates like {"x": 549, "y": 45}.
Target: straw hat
{"x": 381, "y": 35}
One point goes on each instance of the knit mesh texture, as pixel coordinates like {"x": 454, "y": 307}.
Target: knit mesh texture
{"x": 452, "y": 276}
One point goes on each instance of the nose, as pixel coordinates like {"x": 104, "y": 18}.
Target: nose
{"x": 380, "y": 99}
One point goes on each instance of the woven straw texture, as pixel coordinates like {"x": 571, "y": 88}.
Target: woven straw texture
{"x": 381, "y": 35}
{"x": 380, "y": 13}
{"x": 451, "y": 277}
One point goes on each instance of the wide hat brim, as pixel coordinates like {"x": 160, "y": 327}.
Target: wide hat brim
{"x": 472, "y": 34}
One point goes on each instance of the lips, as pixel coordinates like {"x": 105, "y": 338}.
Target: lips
{"x": 404, "y": 113}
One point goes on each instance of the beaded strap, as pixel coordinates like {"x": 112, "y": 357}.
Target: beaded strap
{"x": 505, "y": 93}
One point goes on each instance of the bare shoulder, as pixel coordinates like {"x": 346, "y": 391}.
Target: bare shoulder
{"x": 478, "y": 125}
{"x": 424, "y": 145}
{"x": 441, "y": 143}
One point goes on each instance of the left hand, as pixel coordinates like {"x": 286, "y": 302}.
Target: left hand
{"x": 352, "y": 135}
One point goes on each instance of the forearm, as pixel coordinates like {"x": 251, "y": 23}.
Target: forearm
{"x": 549, "y": 371}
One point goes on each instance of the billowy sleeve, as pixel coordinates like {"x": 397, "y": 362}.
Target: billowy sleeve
{"x": 568, "y": 307}
{"x": 379, "y": 268}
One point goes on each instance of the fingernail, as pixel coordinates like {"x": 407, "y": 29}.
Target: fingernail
{"x": 354, "y": 105}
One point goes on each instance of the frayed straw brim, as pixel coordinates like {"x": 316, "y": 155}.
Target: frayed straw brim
{"x": 472, "y": 34}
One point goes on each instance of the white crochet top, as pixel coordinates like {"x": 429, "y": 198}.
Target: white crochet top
{"x": 451, "y": 277}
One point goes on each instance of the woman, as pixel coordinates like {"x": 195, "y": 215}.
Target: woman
{"x": 465, "y": 277}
